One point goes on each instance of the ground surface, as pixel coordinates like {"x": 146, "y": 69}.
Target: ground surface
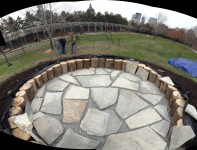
{"x": 95, "y": 108}
{"x": 136, "y": 46}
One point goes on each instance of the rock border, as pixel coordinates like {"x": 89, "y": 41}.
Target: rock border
{"x": 28, "y": 90}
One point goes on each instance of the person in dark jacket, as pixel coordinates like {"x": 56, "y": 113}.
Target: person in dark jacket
{"x": 63, "y": 44}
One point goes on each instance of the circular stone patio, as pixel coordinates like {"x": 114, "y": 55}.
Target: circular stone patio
{"x": 101, "y": 109}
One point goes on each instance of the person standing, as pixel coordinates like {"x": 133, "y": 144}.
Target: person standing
{"x": 58, "y": 46}
{"x": 73, "y": 44}
{"x": 63, "y": 43}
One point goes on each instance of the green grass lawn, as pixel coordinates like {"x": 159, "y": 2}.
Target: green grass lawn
{"x": 132, "y": 45}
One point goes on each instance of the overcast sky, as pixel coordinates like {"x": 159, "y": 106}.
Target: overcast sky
{"x": 127, "y": 9}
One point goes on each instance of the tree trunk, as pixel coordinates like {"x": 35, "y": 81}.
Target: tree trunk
{"x": 9, "y": 64}
{"x": 51, "y": 41}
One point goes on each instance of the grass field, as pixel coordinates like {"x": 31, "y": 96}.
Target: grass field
{"x": 132, "y": 45}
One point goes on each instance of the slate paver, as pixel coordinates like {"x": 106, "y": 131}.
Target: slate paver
{"x": 52, "y": 103}
{"x": 77, "y": 92}
{"x": 48, "y": 128}
{"x": 153, "y": 99}
{"x": 161, "y": 127}
{"x": 180, "y": 135}
{"x": 73, "y": 110}
{"x": 113, "y": 143}
{"x": 81, "y": 72}
{"x": 131, "y": 67}
{"x": 75, "y": 141}
{"x": 143, "y": 118}
{"x": 130, "y": 77}
{"x": 100, "y": 123}
{"x": 162, "y": 110}
{"x": 124, "y": 83}
{"x": 56, "y": 85}
{"x": 104, "y": 97}
{"x": 129, "y": 103}
{"x": 101, "y": 71}
{"x": 41, "y": 92}
{"x": 94, "y": 80}
{"x": 70, "y": 79}
{"x": 142, "y": 74}
{"x": 114, "y": 74}
{"x": 36, "y": 104}
{"x": 147, "y": 87}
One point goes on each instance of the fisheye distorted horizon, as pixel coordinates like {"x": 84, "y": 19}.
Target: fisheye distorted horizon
{"x": 126, "y": 9}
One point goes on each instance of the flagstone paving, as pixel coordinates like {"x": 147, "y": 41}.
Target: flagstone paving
{"x": 124, "y": 83}
{"x": 104, "y": 97}
{"x": 95, "y": 80}
{"x": 101, "y": 109}
{"x": 153, "y": 99}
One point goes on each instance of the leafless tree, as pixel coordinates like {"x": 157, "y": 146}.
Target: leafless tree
{"x": 161, "y": 18}
{"x": 46, "y": 14}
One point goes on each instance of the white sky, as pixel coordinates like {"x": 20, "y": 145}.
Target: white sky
{"x": 127, "y": 9}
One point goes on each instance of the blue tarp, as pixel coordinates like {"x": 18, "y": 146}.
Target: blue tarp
{"x": 186, "y": 65}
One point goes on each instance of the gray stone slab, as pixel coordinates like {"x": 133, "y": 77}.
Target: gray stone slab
{"x": 114, "y": 123}
{"x": 147, "y": 139}
{"x": 167, "y": 80}
{"x": 130, "y": 77}
{"x": 101, "y": 71}
{"x": 81, "y": 72}
{"x": 109, "y": 70}
{"x": 161, "y": 127}
{"x": 104, "y": 97}
{"x": 180, "y": 135}
{"x": 29, "y": 111}
{"x": 131, "y": 66}
{"x": 52, "y": 103}
{"x": 129, "y": 103}
{"x": 143, "y": 118}
{"x": 37, "y": 139}
{"x": 114, "y": 74}
{"x": 22, "y": 121}
{"x": 147, "y": 87}
{"x": 76, "y": 92}
{"x": 41, "y": 92}
{"x": 100, "y": 123}
{"x": 191, "y": 110}
{"x": 48, "y": 128}
{"x": 124, "y": 83}
{"x": 120, "y": 142}
{"x": 153, "y": 99}
{"x": 70, "y": 79}
{"x": 75, "y": 141}
{"x": 142, "y": 74}
{"x": 163, "y": 111}
{"x": 94, "y": 80}
{"x": 56, "y": 85}
{"x": 36, "y": 104}
{"x": 37, "y": 115}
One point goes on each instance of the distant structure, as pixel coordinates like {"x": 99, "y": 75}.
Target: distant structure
{"x": 136, "y": 18}
{"x": 143, "y": 20}
{"x": 90, "y": 9}
{"x": 152, "y": 21}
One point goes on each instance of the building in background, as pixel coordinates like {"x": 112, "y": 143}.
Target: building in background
{"x": 143, "y": 20}
{"x": 136, "y": 18}
{"x": 90, "y": 9}
{"x": 152, "y": 21}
